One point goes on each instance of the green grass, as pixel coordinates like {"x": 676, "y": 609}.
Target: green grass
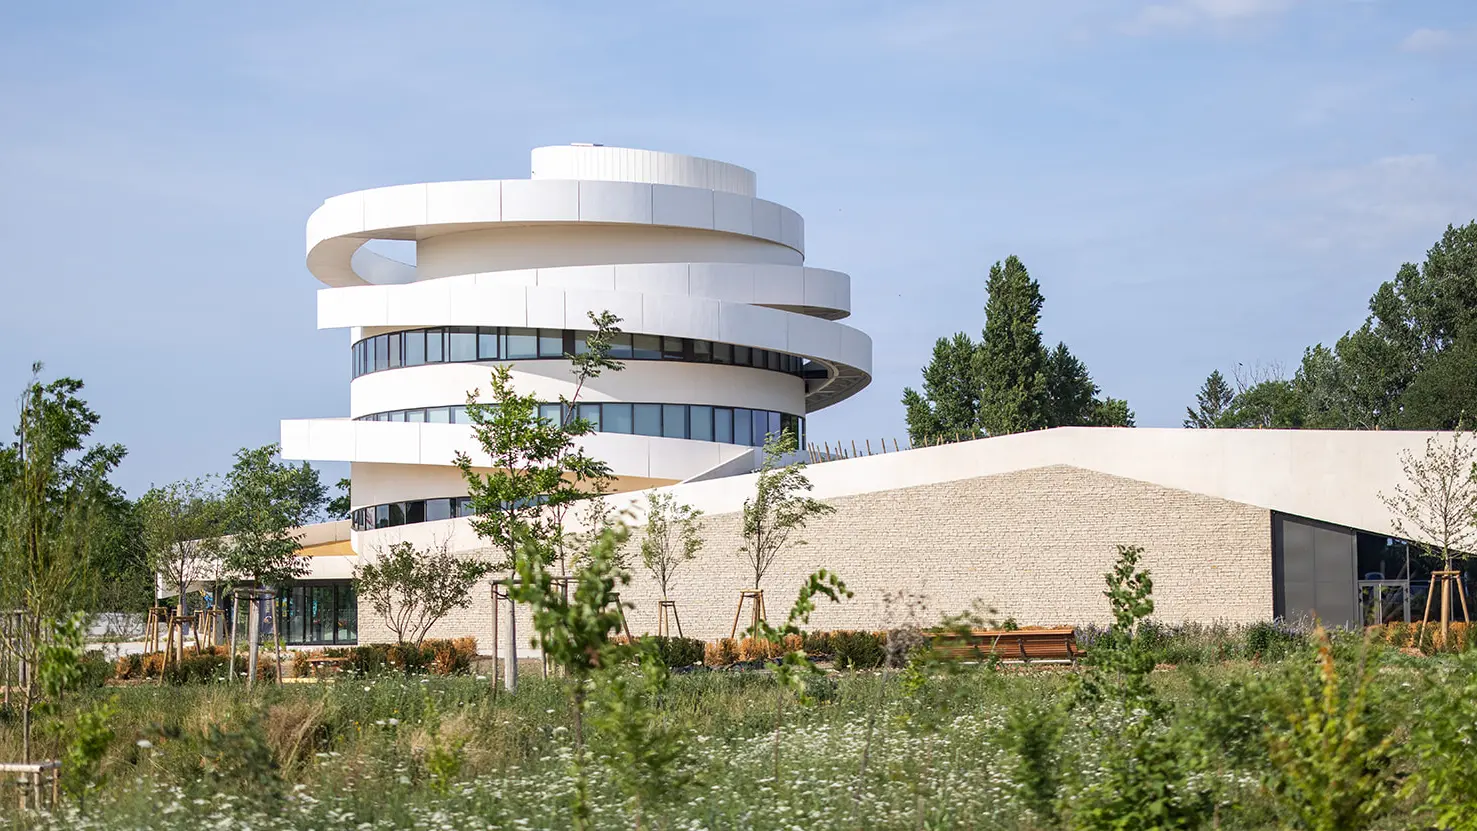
{"x": 352, "y": 754}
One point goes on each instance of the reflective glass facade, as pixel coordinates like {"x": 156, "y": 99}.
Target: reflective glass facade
{"x": 458, "y": 344}
{"x": 319, "y": 612}
{"x": 731, "y": 425}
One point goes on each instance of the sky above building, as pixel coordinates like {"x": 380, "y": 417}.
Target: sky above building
{"x": 1196, "y": 184}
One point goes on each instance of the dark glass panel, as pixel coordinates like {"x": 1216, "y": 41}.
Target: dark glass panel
{"x": 397, "y": 513}
{"x": 463, "y": 506}
{"x": 415, "y": 511}
{"x": 648, "y": 418}
{"x": 395, "y": 351}
{"x": 550, "y": 413}
{"x": 741, "y": 355}
{"x": 620, "y": 345}
{"x": 674, "y": 421}
{"x": 743, "y": 426}
{"x": 348, "y": 614}
{"x": 550, "y": 343}
{"x": 616, "y": 418}
{"x": 382, "y": 516}
{"x": 672, "y": 349}
{"x": 702, "y": 351}
{"x": 435, "y": 346}
{"x": 774, "y": 361}
{"x": 415, "y": 348}
{"x": 580, "y": 344}
{"x": 381, "y": 353}
{"x": 487, "y": 344}
{"x": 701, "y": 423}
{"x": 463, "y": 344}
{"x": 761, "y": 427}
{"x": 438, "y": 509}
{"x": 646, "y": 347}
{"x": 722, "y": 424}
{"x": 520, "y": 344}
{"x": 591, "y": 413}
{"x": 722, "y": 353}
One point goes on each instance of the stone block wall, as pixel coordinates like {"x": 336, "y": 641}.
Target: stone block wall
{"x": 1032, "y": 545}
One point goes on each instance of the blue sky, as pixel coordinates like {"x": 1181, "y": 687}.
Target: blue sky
{"x": 1194, "y": 183}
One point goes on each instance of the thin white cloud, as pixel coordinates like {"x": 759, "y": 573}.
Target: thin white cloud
{"x": 1428, "y": 41}
{"x": 1183, "y": 15}
{"x": 1383, "y": 204}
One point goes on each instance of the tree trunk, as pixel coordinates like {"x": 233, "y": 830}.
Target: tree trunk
{"x": 510, "y": 675}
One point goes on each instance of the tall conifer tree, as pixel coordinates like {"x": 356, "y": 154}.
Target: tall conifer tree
{"x": 1012, "y": 362}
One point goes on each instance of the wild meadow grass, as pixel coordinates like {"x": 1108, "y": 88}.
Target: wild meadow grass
{"x": 1255, "y": 727}
{"x": 955, "y": 749}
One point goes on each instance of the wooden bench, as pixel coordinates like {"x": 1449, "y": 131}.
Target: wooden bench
{"x": 1057, "y": 645}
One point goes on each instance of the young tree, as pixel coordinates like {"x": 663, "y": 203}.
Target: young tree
{"x": 779, "y": 508}
{"x": 411, "y": 589}
{"x": 673, "y": 537}
{"x": 52, "y": 484}
{"x": 950, "y": 402}
{"x": 1437, "y": 507}
{"x": 1212, "y": 402}
{"x": 538, "y": 468}
{"x": 587, "y": 363}
{"x": 266, "y": 501}
{"x": 182, "y": 521}
{"x": 1012, "y": 361}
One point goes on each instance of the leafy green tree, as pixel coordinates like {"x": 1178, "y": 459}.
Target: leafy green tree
{"x": 1272, "y": 404}
{"x": 1012, "y": 364}
{"x": 266, "y": 502}
{"x": 673, "y": 537}
{"x": 1211, "y": 403}
{"x": 340, "y": 506}
{"x": 780, "y": 507}
{"x": 1110, "y": 412}
{"x": 182, "y": 526}
{"x": 54, "y": 491}
{"x": 411, "y": 589}
{"x": 950, "y": 402}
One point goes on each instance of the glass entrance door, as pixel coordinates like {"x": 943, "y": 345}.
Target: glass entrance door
{"x": 1384, "y": 601}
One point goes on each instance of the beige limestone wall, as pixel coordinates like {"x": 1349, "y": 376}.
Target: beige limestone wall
{"x": 1032, "y": 545}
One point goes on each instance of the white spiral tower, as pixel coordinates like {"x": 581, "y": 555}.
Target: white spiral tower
{"x": 727, "y": 335}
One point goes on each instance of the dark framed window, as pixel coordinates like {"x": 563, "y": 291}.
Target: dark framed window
{"x": 487, "y": 344}
{"x": 700, "y": 423}
{"x": 617, "y": 418}
{"x": 674, "y": 421}
{"x": 722, "y": 424}
{"x": 416, "y": 347}
{"x": 648, "y": 419}
{"x": 463, "y": 344}
{"x": 438, "y": 509}
{"x": 743, "y": 426}
{"x": 319, "y": 612}
{"x": 520, "y": 343}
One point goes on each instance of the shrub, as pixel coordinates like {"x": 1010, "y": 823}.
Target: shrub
{"x": 129, "y": 667}
{"x": 818, "y": 644}
{"x": 721, "y": 653}
{"x": 678, "y": 652}
{"x": 758, "y": 649}
{"x": 451, "y": 657}
{"x": 859, "y": 650}
{"x": 1271, "y": 640}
